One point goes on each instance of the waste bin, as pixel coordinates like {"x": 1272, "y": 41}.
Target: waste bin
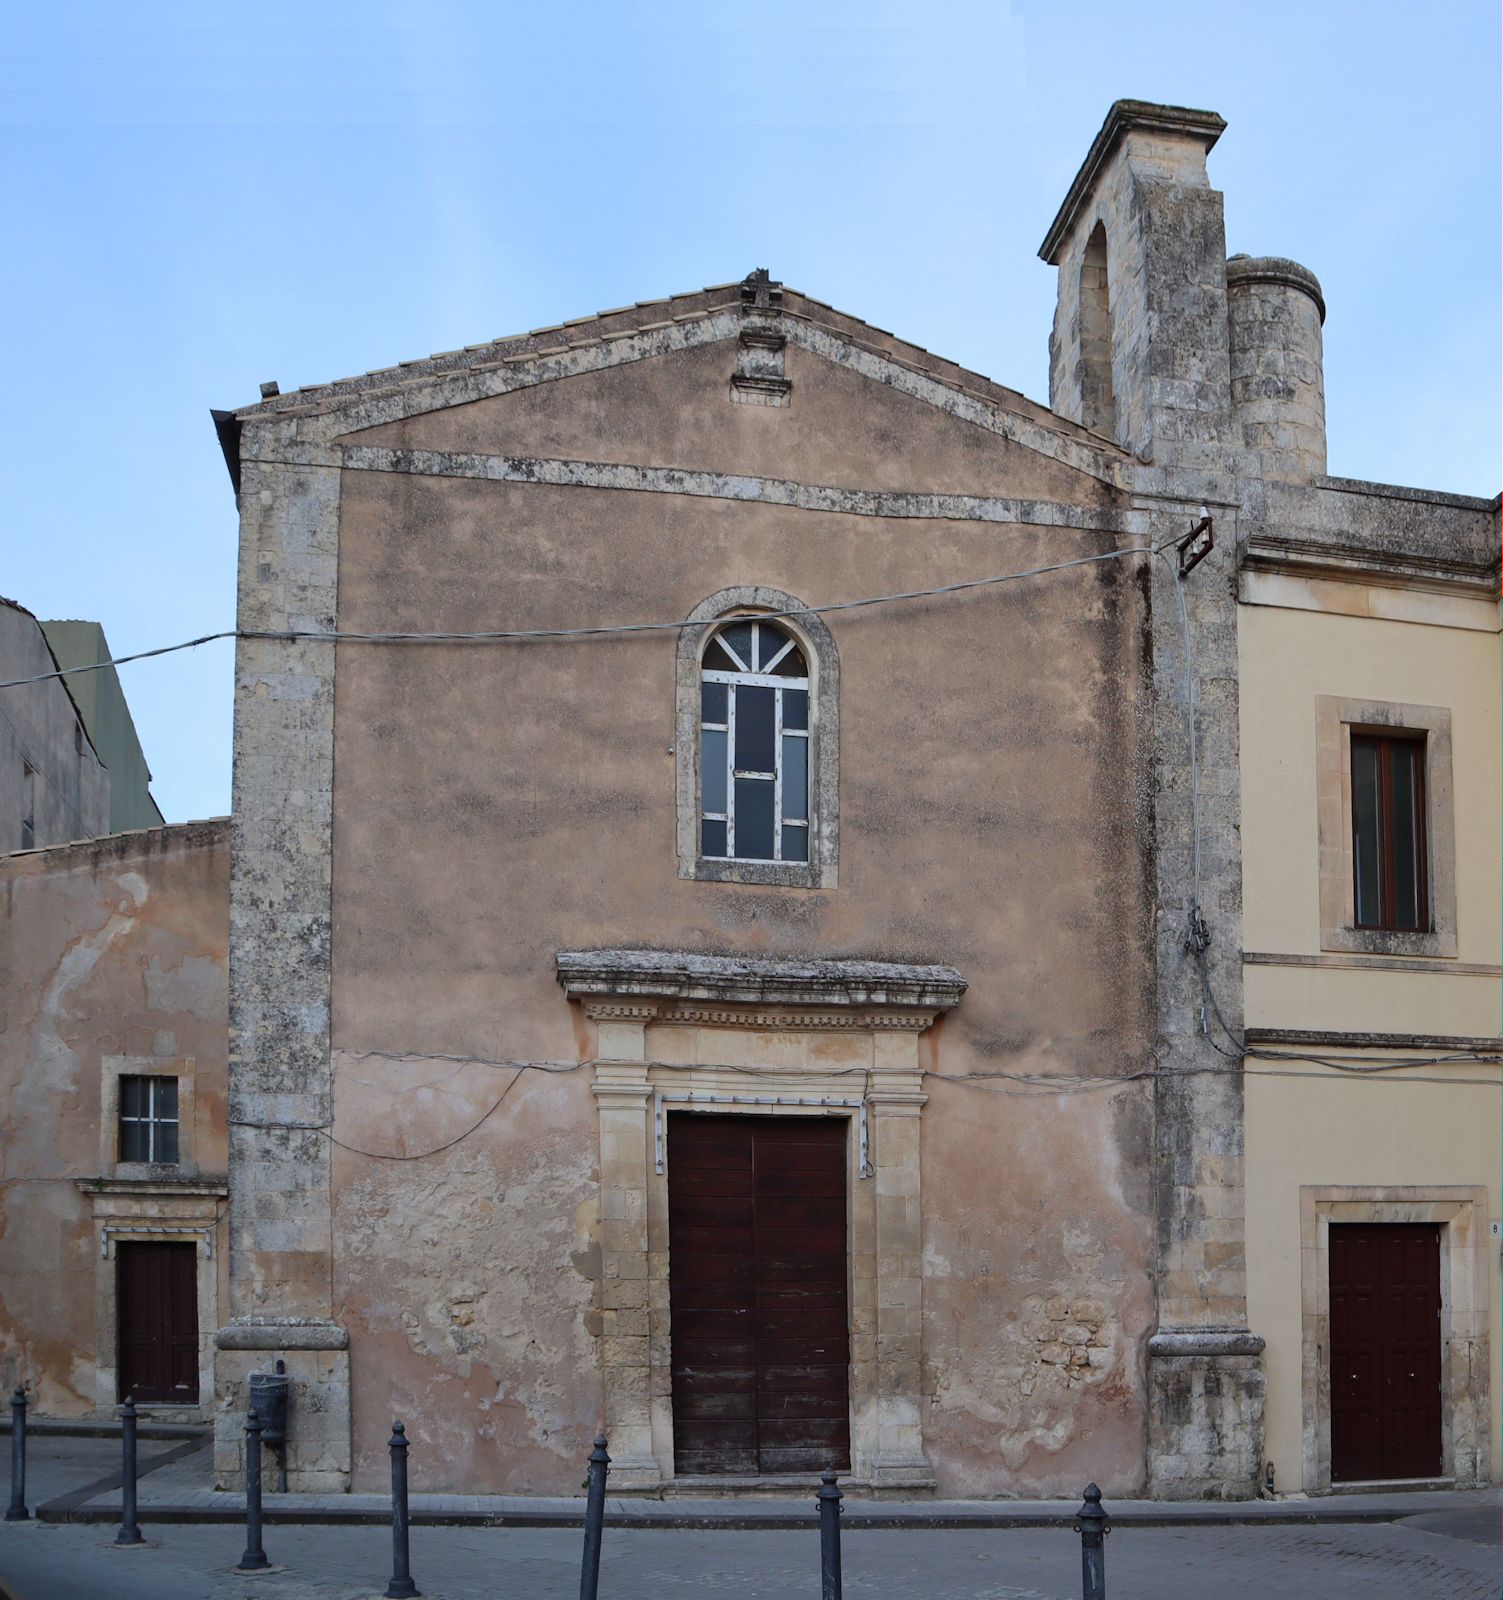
{"x": 268, "y": 1400}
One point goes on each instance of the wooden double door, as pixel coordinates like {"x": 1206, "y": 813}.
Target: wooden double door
{"x": 1385, "y": 1351}
{"x": 758, "y": 1294}
{"x": 157, "y": 1312}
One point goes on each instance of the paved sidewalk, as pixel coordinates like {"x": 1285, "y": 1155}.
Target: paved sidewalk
{"x": 1435, "y": 1546}
{"x": 77, "y": 1481}
{"x": 1341, "y": 1562}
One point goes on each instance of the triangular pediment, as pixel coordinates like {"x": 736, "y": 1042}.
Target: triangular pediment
{"x": 690, "y": 391}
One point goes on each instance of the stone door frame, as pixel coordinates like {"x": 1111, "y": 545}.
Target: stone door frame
{"x": 857, "y": 1055}
{"x": 1461, "y": 1213}
{"x": 128, "y": 1211}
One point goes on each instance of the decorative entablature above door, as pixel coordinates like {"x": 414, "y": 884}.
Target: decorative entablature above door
{"x": 684, "y": 1033}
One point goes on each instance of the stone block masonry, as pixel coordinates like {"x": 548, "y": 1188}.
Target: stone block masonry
{"x": 1144, "y": 184}
{"x": 280, "y": 1087}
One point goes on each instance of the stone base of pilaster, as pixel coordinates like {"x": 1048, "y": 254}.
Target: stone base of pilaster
{"x": 903, "y": 1480}
{"x": 637, "y": 1473}
{"x": 1205, "y": 1414}
{"x": 319, "y": 1444}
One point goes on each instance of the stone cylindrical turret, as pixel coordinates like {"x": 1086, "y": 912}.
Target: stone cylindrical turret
{"x": 1274, "y": 314}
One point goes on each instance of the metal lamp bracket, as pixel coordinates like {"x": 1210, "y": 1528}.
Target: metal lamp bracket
{"x": 1197, "y": 544}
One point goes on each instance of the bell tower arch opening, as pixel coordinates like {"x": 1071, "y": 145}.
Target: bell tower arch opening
{"x": 1098, "y": 408}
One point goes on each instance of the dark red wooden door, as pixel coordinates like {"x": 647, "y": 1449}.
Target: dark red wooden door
{"x": 757, "y": 1287}
{"x": 157, "y": 1307}
{"x": 1385, "y": 1351}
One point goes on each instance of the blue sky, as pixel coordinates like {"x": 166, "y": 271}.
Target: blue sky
{"x": 201, "y": 198}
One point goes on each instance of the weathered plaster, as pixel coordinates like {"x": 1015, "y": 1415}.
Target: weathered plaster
{"x": 114, "y": 958}
{"x": 468, "y": 1280}
{"x": 533, "y": 789}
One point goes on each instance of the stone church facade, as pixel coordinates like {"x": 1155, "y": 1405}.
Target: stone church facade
{"x": 780, "y": 1038}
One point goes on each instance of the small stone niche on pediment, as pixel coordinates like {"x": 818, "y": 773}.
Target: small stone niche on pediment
{"x": 759, "y": 378}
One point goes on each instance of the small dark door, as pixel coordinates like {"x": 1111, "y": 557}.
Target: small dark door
{"x": 1385, "y": 1351}
{"x": 757, "y": 1289}
{"x": 157, "y": 1307}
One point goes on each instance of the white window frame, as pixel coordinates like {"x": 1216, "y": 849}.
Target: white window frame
{"x": 749, "y": 603}
{"x": 778, "y": 683}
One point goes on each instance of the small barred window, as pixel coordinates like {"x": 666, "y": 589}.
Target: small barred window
{"x": 148, "y": 1120}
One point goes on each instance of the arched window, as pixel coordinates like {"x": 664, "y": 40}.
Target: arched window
{"x": 757, "y": 747}
{"x": 754, "y": 745}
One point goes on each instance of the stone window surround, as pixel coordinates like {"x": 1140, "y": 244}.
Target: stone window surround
{"x": 127, "y": 1210}
{"x": 1461, "y": 1212}
{"x": 112, "y": 1069}
{"x": 820, "y": 872}
{"x": 812, "y": 1023}
{"x": 1335, "y": 719}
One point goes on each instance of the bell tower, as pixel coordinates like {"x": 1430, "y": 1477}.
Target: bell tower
{"x": 1205, "y": 395}
{"x": 1139, "y": 349}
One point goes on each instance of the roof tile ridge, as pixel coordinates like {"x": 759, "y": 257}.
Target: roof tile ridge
{"x": 440, "y": 362}
{"x": 990, "y": 392}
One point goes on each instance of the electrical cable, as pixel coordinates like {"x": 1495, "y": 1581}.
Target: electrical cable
{"x": 522, "y": 635}
{"x": 1197, "y": 938}
{"x": 995, "y": 1082}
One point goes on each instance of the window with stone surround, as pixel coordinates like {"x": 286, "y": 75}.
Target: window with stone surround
{"x": 1386, "y": 828}
{"x": 146, "y": 1118}
{"x": 757, "y": 746}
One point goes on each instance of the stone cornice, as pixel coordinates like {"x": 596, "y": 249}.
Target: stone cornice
{"x": 1337, "y": 1039}
{"x": 1125, "y": 116}
{"x": 1205, "y": 1342}
{"x": 1399, "y": 491}
{"x": 287, "y": 1333}
{"x": 840, "y": 986}
{"x": 1275, "y": 269}
{"x": 156, "y": 1188}
{"x": 1343, "y": 563}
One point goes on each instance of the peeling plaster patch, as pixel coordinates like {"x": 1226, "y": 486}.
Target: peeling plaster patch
{"x": 480, "y": 1258}
{"x": 194, "y": 985}
{"x": 55, "y": 1060}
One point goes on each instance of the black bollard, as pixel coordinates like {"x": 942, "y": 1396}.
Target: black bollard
{"x": 18, "y": 1511}
{"x": 828, "y": 1502}
{"x": 129, "y": 1533}
{"x": 401, "y": 1585}
{"x": 1093, "y": 1525}
{"x": 594, "y": 1521}
{"x": 254, "y": 1559}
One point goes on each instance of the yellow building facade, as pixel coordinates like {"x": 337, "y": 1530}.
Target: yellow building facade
{"x": 1373, "y": 1187}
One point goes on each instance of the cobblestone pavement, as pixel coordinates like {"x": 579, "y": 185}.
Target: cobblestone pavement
{"x": 1390, "y": 1561}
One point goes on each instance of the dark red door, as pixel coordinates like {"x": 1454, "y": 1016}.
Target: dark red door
{"x": 1385, "y": 1351}
{"x": 757, "y": 1287}
{"x": 157, "y": 1306}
